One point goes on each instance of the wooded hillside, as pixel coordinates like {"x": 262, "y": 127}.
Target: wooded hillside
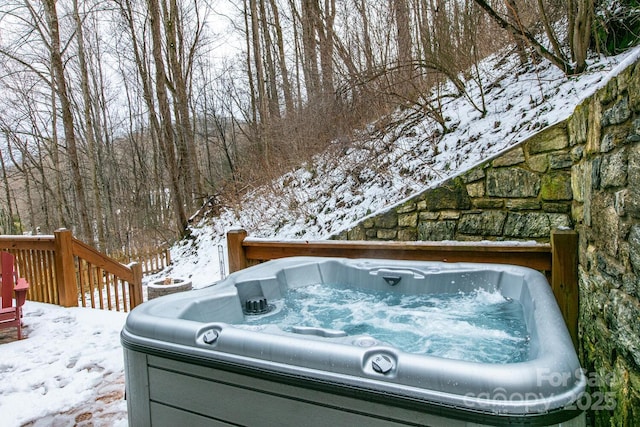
{"x": 121, "y": 118}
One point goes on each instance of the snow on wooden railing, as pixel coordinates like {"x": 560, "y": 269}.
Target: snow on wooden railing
{"x": 558, "y": 259}
{"x": 63, "y": 270}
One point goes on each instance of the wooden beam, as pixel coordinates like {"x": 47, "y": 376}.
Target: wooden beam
{"x": 135, "y": 285}
{"x": 66, "y": 282}
{"x": 235, "y": 250}
{"x": 564, "y": 277}
{"x": 536, "y": 256}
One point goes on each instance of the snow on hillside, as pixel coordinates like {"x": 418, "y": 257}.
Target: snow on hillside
{"x": 350, "y": 182}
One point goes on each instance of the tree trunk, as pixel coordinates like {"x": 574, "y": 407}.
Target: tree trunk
{"x": 581, "y": 20}
{"x": 67, "y": 118}
{"x": 514, "y": 17}
{"x": 89, "y": 126}
{"x": 167, "y": 130}
{"x": 286, "y": 84}
{"x": 401, "y": 13}
{"x": 528, "y": 38}
{"x": 270, "y": 66}
{"x": 309, "y": 49}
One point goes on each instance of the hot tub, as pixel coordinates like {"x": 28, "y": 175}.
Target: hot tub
{"x": 241, "y": 352}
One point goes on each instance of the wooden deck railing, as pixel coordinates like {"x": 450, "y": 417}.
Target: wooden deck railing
{"x": 65, "y": 271}
{"x": 558, "y": 260}
{"x": 152, "y": 260}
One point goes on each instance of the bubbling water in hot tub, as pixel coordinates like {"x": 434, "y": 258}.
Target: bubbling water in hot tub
{"x": 478, "y": 326}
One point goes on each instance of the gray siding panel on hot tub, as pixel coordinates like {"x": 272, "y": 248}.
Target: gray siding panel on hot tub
{"x": 175, "y": 370}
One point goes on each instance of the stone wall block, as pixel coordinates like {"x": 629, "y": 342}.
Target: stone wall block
{"x": 476, "y": 189}
{"x": 634, "y": 248}
{"x": 595, "y": 173}
{"x": 634, "y": 133}
{"x": 559, "y": 221}
{"x": 556, "y": 186}
{"x": 538, "y": 163}
{"x": 613, "y": 169}
{"x": 577, "y": 182}
{"x": 369, "y": 223}
{"x": 386, "y": 234}
{"x": 634, "y": 89}
{"x": 614, "y": 136}
{"x": 557, "y": 207}
{"x": 620, "y": 200}
{"x": 437, "y": 230}
{"x": 387, "y": 220}
{"x": 488, "y": 203}
{"x": 452, "y": 195}
{"x": 522, "y": 204}
{"x": 622, "y": 80}
{"x": 512, "y": 182}
{"x": 406, "y": 208}
{"x": 594, "y": 128}
{"x": 485, "y": 223}
{"x": 577, "y": 153}
{"x": 611, "y": 270}
{"x": 428, "y": 215}
{"x": 633, "y": 156}
{"x": 510, "y": 158}
{"x": 473, "y": 175}
{"x": 625, "y": 325}
{"x": 618, "y": 113}
{"x": 577, "y": 125}
{"x": 527, "y": 225}
{"x": 631, "y": 285}
{"x": 407, "y": 235}
{"x": 632, "y": 203}
{"x": 446, "y": 215}
{"x": 609, "y": 92}
{"x": 550, "y": 139}
{"x": 408, "y": 220}
{"x": 606, "y": 224}
{"x": 560, "y": 161}
{"x": 357, "y": 233}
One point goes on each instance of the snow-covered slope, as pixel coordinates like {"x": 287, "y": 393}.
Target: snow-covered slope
{"x": 347, "y": 183}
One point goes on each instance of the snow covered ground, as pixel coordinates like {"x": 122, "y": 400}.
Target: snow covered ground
{"x": 69, "y": 369}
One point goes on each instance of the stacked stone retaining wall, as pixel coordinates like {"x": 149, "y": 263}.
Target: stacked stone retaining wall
{"x": 520, "y": 195}
{"x": 583, "y": 173}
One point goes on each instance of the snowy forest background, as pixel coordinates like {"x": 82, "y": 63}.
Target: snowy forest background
{"x": 121, "y": 119}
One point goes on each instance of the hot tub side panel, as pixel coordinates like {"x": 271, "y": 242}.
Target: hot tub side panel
{"x": 169, "y": 392}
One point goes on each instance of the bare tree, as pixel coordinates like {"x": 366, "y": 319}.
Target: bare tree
{"x": 62, "y": 93}
{"x": 580, "y": 16}
{"x": 167, "y": 126}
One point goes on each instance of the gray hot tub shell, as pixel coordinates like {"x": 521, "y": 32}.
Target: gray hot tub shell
{"x": 186, "y": 364}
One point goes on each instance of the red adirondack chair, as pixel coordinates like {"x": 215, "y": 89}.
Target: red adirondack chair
{"x": 10, "y": 314}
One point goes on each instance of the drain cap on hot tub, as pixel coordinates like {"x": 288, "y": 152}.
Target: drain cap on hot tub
{"x": 256, "y": 306}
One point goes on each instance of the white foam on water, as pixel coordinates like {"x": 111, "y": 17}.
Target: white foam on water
{"x": 480, "y": 326}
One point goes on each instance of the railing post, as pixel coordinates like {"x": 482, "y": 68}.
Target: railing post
{"x": 167, "y": 257}
{"x": 235, "y": 251}
{"x": 564, "y": 277}
{"x": 66, "y": 281}
{"x": 135, "y": 286}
